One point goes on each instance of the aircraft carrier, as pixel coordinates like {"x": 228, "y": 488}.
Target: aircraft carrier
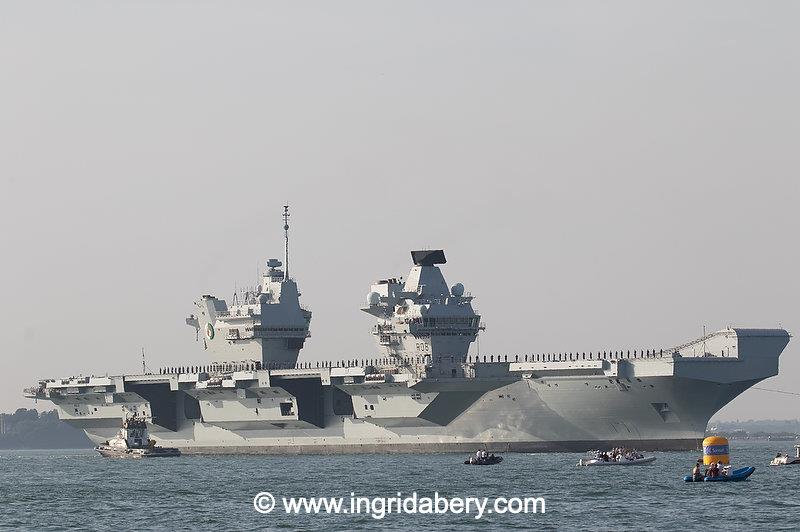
{"x": 422, "y": 391}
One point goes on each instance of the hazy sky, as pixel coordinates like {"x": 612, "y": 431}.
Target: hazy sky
{"x": 602, "y": 175}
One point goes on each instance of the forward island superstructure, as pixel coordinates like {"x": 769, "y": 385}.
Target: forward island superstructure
{"x": 422, "y": 391}
{"x": 265, "y": 324}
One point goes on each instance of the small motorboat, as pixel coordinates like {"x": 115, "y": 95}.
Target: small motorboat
{"x": 489, "y": 460}
{"x": 734, "y": 476}
{"x": 598, "y": 458}
{"x": 133, "y": 441}
{"x": 785, "y": 459}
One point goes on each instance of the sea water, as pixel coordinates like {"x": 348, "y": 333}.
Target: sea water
{"x": 59, "y": 490}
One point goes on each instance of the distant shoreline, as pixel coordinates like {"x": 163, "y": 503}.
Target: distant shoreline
{"x": 33, "y": 430}
{"x": 779, "y": 430}
{"x": 3, "y": 449}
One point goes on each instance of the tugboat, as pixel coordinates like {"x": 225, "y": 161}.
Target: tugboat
{"x": 785, "y": 459}
{"x": 133, "y": 441}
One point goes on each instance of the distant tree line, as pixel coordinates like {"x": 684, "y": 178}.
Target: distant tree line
{"x": 30, "y": 429}
{"x": 757, "y": 435}
{"x": 758, "y": 425}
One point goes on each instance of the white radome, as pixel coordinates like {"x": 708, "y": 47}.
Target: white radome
{"x": 457, "y": 290}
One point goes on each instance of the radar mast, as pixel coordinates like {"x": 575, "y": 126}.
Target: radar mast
{"x": 286, "y": 241}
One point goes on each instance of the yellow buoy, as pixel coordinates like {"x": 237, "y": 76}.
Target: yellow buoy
{"x": 715, "y": 449}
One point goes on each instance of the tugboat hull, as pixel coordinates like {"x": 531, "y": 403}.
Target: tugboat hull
{"x": 158, "y": 452}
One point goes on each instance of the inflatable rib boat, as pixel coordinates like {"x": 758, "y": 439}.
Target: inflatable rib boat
{"x": 623, "y": 462}
{"x": 736, "y": 475}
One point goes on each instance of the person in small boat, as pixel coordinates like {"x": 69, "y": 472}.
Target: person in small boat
{"x": 633, "y": 455}
{"x": 697, "y": 471}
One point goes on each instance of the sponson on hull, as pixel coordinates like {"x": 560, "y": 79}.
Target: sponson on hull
{"x": 422, "y": 390}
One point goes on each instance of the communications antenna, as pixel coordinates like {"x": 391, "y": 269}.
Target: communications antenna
{"x": 286, "y": 239}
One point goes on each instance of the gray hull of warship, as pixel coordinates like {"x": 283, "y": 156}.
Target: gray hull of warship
{"x": 422, "y": 391}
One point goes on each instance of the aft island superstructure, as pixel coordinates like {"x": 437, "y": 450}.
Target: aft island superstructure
{"x": 422, "y": 391}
